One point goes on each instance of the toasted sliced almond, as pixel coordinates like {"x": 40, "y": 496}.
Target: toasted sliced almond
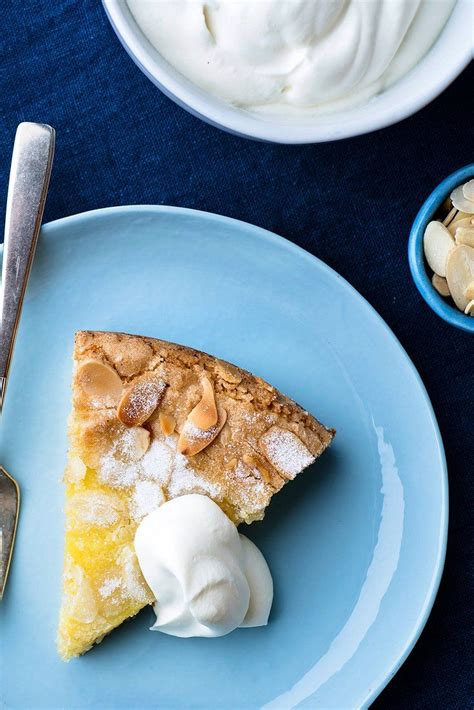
{"x": 468, "y": 190}
{"x": 450, "y": 216}
{"x": 460, "y": 274}
{"x": 285, "y": 451}
{"x": 167, "y": 423}
{"x": 249, "y": 460}
{"x": 141, "y": 443}
{"x": 441, "y": 285}
{"x": 99, "y": 380}
{"x": 437, "y": 243}
{"x": 461, "y": 220}
{"x": 469, "y": 310}
{"x": 460, "y": 201}
{"x": 204, "y": 415}
{"x": 140, "y": 400}
{"x": 469, "y": 292}
{"x": 255, "y": 462}
{"x": 193, "y": 439}
{"x": 264, "y": 472}
{"x": 465, "y": 235}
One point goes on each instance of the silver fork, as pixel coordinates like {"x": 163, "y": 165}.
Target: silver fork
{"x": 29, "y": 179}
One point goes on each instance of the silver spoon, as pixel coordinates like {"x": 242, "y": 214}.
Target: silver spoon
{"x": 29, "y": 179}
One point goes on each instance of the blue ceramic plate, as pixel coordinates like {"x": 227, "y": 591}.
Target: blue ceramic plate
{"x": 356, "y": 544}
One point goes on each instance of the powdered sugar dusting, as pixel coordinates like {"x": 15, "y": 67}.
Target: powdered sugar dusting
{"x": 132, "y": 444}
{"x": 194, "y": 432}
{"x": 252, "y": 495}
{"x": 116, "y": 473}
{"x": 109, "y": 586}
{"x": 132, "y": 578}
{"x": 119, "y": 467}
{"x": 147, "y": 497}
{"x": 249, "y": 417}
{"x": 76, "y": 470}
{"x": 162, "y": 464}
{"x": 95, "y": 508}
{"x": 157, "y": 462}
{"x": 184, "y": 479}
{"x": 286, "y": 451}
{"x": 243, "y": 472}
{"x": 255, "y": 497}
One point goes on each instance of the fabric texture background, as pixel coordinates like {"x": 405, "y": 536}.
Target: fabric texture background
{"x": 351, "y": 203}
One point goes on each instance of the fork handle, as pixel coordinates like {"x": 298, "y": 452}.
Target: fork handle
{"x": 29, "y": 179}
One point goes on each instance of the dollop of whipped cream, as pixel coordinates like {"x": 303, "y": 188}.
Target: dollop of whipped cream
{"x": 286, "y": 56}
{"x": 207, "y": 579}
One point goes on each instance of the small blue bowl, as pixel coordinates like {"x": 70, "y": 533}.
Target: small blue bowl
{"x": 418, "y": 266}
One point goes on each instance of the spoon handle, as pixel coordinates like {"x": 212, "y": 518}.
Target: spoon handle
{"x": 29, "y": 179}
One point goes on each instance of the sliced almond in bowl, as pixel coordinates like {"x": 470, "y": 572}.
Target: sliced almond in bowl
{"x": 469, "y": 292}
{"x": 469, "y": 310}
{"x": 468, "y": 190}
{"x": 437, "y": 243}
{"x": 451, "y": 214}
{"x": 461, "y": 220}
{"x": 460, "y": 201}
{"x": 441, "y": 285}
{"x": 465, "y": 235}
{"x": 460, "y": 274}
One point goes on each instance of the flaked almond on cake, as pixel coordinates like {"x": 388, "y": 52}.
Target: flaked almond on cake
{"x": 153, "y": 421}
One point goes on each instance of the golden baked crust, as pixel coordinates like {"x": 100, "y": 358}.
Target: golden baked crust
{"x": 118, "y": 472}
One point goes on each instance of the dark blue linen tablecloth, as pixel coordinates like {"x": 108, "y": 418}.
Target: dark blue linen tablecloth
{"x": 351, "y": 203}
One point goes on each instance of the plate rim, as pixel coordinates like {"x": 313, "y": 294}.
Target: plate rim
{"x": 373, "y": 691}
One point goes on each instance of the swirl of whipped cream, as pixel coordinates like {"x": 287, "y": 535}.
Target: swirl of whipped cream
{"x": 207, "y": 579}
{"x": 288, "y": 56}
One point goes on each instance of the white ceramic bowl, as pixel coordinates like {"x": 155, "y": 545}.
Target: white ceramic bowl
{"x": 444, "y": 62}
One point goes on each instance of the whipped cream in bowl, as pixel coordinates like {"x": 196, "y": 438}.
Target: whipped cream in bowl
{"x": 207, "y": 579}
{"x": 292, "y": 56}
{"x": 297, "y": 71}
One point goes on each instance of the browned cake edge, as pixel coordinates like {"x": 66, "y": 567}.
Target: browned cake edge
{"x": 134, "y": 355}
